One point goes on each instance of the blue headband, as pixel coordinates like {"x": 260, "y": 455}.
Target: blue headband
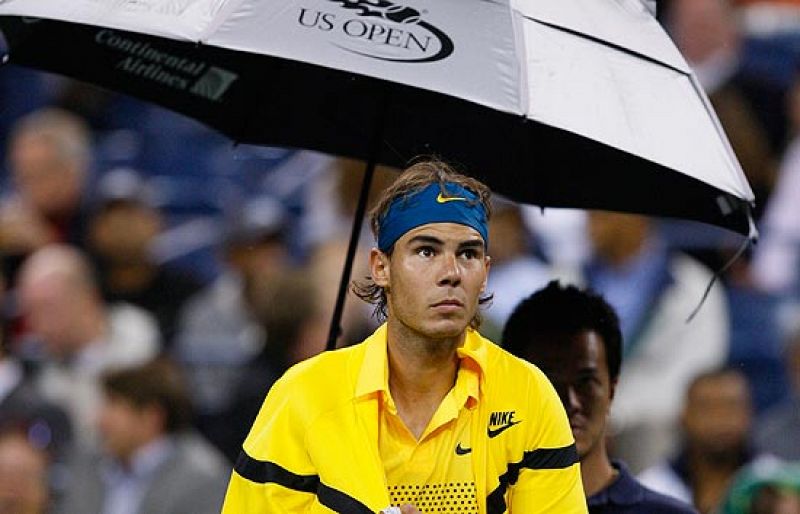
{"x": 430, "y": 205}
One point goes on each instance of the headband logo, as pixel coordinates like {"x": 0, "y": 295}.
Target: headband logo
{"x": 445, "y": 199}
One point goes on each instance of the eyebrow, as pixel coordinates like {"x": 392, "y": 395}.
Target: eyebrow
{"x": 472, "y": 243}
{"x": 426, "y": 239}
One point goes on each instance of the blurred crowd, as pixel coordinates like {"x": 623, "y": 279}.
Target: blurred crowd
{"x": 156, "y": 278}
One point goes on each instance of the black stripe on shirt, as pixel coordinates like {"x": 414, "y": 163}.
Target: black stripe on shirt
{"x": 541, "y": 458}
{"x": 262, "y": 472}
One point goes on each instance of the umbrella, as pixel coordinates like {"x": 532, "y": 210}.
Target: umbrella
{"x": 571, "y": 104}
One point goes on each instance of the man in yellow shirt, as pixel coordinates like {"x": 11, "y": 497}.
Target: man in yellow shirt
{"x": 425, "y": 415}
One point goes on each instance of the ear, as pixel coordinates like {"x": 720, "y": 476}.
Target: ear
{"x": 379, "y": 267}
{"x": 487, "y": 262}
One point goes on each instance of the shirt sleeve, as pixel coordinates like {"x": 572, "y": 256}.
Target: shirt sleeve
{"x": 273, "y": 474}
{"x": 549, "y": 474}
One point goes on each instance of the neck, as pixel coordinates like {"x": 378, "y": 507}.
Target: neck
{"x": 421, "y": 373}
{"x": 597, "y": 473}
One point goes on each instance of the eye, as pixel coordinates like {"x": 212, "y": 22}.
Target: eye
{"x": 470, "y": 253}
{"x": 426, "y": 251}
{"x": 587, "y": 381}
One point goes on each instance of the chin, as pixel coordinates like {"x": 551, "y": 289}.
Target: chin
{"x": 445, "y": 330}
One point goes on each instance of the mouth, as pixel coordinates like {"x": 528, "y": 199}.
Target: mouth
{"x": 448, "y": 304}
{"x": 576, "y": 425}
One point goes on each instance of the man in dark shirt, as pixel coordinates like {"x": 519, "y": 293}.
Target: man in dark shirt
{"x": 574, "y": 337}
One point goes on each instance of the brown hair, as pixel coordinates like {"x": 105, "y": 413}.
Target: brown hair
{"x": 155, "y": 383}
{"x": 415, "y": 178}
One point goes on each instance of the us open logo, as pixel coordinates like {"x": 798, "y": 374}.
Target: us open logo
{"x": 379, "y": 29}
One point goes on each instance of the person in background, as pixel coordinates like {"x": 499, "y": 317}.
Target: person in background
{"x": 426, "y": 414}
{"x": 123, "y": 228}
{"x": 49, "y": 157}
{"x": 22, "y": 404}
{"x": 715, "y": 422}
{"x": 77, "y": 334}
{"x": 221, "y": 335}
{"x": 573, "y": 335}
{"x": 149, "y": 461}
{"x": 653, "y": 291}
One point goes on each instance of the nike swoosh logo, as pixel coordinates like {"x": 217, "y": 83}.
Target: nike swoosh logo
{"x": 497, "y": 431}
{"x": 445, "y": 199}
{"x": 462, "y": 451}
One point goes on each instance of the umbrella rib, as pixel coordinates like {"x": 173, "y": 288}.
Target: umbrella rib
{"x": 605, "y": 43}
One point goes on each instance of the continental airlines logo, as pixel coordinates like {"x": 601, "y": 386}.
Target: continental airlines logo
{"x": 152, "y": 63}
{"x": 379, "y": 29}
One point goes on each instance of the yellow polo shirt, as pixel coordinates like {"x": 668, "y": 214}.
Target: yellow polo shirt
{"x": 327, "y": 440}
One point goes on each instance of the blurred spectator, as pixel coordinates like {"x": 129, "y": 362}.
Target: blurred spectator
{"x": 778, "y": 430}
{"x": 122, "y": 231}
{"x": 24, "y": 466}
{"x": 150, "y": 462}
{"x": 768, "y": 487}
{"x": 80, "y": 335}
{"x": 516, "y": 272}
{"x": 653, "y": 291}
{"x": 49, "y": 156}
{"x": 574, "y": 337}
{"x": 220, "y": 331}
{"x": 715, "y": 422}
{"x": 22, "y": 404}
{"x": 284, "y": 307}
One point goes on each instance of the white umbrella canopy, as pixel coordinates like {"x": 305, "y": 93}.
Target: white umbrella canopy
{"x": 578, "y": 103}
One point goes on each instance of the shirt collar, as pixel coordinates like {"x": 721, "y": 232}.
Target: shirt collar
{"x": 625, "y": 490}
{"x": 374, "y": 374}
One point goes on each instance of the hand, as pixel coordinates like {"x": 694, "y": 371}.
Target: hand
{"x": 409, "y": 509}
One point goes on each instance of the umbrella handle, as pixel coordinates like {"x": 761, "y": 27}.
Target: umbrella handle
{"x": 358, "y": 219}
{"x": 336, "y": 327}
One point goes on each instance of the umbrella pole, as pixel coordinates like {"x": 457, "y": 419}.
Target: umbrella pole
{"x": 336, "y": 328}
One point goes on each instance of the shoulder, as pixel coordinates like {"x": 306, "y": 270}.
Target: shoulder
{"x": 322, "y": 378}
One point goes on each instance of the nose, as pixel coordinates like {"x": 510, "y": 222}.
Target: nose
{"x": 451, "y": 273}
{"x": 571, "y": 400}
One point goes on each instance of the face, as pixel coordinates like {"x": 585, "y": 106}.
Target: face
{"x": 718, "y": 414}
{"x": 124, "y": 427}
{"x": 23, "y": 477}
{"x": 576, "y": 365}
{"x": 44, "y": 179}
{"x": 433, "y": 278}
{"x": 52, "y": 312}
{"x": 124, "y": 233}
